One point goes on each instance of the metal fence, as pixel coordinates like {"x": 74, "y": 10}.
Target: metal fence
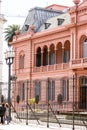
{"x": 72, "y": 113}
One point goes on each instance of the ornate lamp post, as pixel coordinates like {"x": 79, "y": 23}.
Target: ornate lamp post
{"x": 9, "y": 56}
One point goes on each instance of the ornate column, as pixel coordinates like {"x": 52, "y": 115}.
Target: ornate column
{"x": 48, "y": 56}
{"x": 76, "y": 2}
{"x": 55, "y": 55}
{"x": 62, "y": 54}
{"x": 41, "y": 57}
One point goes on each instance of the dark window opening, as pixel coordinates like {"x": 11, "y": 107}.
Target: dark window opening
{"x": 37, "y": 89}
{"x": 60, "y": 21}
{"x": 51, "y": 90}
{"x": 47, "y": 25}
{"x": 38, "y": 57}
{"x": 45, "y": 57}
{"x": 26, "y": 27}
{"x": 65, "y": 89}
{"x": 85, "y": 48}
{"x": 66, "y": 57}
{"x": 22, "y": 91}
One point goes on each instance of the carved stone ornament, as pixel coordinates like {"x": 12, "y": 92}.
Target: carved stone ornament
{"x": 17, "y": 32}
{"x": 76, "y": 1}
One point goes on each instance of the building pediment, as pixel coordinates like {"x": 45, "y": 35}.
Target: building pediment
{"x": 79, "y": 12}
{"x": 82, "y": 11}
{"x": 80, "y": 7}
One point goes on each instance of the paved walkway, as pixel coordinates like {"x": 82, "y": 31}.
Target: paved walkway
{"x": 14, "y": 126}
{"x": 28, "y": 127}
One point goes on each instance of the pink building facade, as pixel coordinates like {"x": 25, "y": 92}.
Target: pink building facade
{"x": 53, "y": 62}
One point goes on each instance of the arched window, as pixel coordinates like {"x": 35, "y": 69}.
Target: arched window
{"x": 66, "y": 56}
{"x": 38, "y": 57}
{"x": 45, "y": 56}
{"x": 21, "y": 61}
{"x": 52, "y": 55}
{"x": 59, "y": 53}
{"x": 51, "y": 90}
{"x": 85, "y": 48}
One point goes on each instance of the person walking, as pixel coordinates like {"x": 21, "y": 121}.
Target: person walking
{"x": 2, "y": 113}
{"x": 7, "y": 113}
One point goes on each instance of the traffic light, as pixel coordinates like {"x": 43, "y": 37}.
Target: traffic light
{"x": 36, "y": 99}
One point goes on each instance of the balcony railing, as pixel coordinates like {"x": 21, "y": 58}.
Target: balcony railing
{"x": 74, "y": 64}
{"x": 51, "y": 67}
{"x": 79, "y": 63}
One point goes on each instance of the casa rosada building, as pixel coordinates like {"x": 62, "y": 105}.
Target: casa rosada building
{"x": 51, "y": 59}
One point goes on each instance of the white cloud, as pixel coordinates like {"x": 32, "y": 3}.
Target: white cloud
{"x": 23, "y": 6}
{"x": 14, "y": 9}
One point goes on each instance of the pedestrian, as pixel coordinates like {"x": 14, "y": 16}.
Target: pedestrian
{"x": 2, "y": 113}
{"x": 7, "y": 119}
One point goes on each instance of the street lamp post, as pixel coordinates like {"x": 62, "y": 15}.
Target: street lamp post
{"x": 9, "y": 56}
{"x": 73, "y": 104}
{"x": 48, "y": 103}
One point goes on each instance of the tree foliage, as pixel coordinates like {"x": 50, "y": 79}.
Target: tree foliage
{"x": 10, "y": 32}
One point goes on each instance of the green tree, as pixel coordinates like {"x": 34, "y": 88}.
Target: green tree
{"x": 10, "y": 32}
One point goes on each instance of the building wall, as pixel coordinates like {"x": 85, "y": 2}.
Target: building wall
{"x": 64, "y": 38}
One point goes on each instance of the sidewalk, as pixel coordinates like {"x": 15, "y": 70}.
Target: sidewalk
{"x": 34, "y": 125}
{"x": 31, "y": 127}
{"x": 14, "y": 126}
